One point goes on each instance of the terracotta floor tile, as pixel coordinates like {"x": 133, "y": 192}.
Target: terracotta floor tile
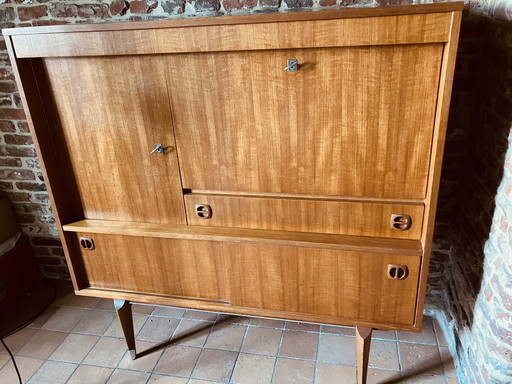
{"x": 226, "y": 336}
{"x": 200, "y": 315}
{"x": 72, "y": 300}
{"x": 106, "y": 353}
{"x": 143, "y": 309}
{"x": 53, "y": 372}
{"x": 271, "y": 323}
{"x": 337, "y": 349}
{"x": 262, "y": 340}
{"x": 169, "y": 312}
{"x": 104, "y": 304}
{"x": 17, "y": 340}
{"x": 4, "y": 358}
{"x": 296, "y": 326}
{"x": 214, "y": 364}
{"x": 253, "y": 369}
{"x": 43, "y": 318}
{"x": 114, "y": 330}
{"x": 197, "y": 381}
{"x": 335, "y": 373}
{"x": 380, "y": 376}
{"x": 88, "y": 374}
{"x": 74, "y": 348}
{"x": 298, "y": 344}
{"x": 121, "y": 376}
{"x": 419, "y": 358}
{"x": 26, "y": 365}
{"x": 290, "y": 371}
{"x": 233, "y": 319}
{"x": 422, "y": 379}
{"x": 160, "y": 379}
{"x": 449, "y": 368}
{"x": 192, "y": 332}
{"x": 178, "y": 360}
{"x": 427, "y": 335}
{"x": 386, "y": 335}
{"x": 65, "y": 319}
{"x": 145, "y": 363}
{"x": 441, "y": 340}
{"x": 384, "y": 354}
{"x": 451, "y": 380}
{"x": 42, "y": 344}
{"x": 95, "y": 322}
{"x": 347, "y": 331}
{"x": 158, "y": 329}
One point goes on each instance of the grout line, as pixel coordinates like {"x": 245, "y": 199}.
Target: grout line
{"x": 239, "y": 351}
{"x": 315, "y": 373}
{"x": 277, "y": 357}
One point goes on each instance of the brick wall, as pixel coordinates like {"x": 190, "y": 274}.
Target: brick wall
{"x": 471, "y": 262}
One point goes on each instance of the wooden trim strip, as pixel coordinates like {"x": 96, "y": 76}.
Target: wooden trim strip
{"x": 277, "y": 238}
{"x": 244, "y": 19}
{"x": 236, "y": 310}
{"x": 389, "y": 30}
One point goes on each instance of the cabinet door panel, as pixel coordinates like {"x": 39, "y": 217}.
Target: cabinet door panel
{"x": 350, "y": 122}
{"x": 112, "y": 112}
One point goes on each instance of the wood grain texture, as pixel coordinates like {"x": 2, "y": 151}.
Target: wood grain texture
{"x": 442, "y": 110}
{"x": 279, "y": 278}
{"x": 363, "y": 340}
{"x": 319, "y": 281}
{"x": 244, "y": 124}
{"x": 180, "y": 268}
{"x": 253, "y": 236}
{"x": 305, "y": 215}
{"x": 298, "y": 15}
{"x": 410, "y": 29}
{"x": 112, "y": 112}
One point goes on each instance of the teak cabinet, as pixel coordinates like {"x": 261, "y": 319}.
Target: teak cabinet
{"x": 279, "y": 165}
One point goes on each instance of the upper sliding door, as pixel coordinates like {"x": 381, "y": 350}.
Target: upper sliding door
{"x": 112, "y": 112}
{"x": 349, "y": 122}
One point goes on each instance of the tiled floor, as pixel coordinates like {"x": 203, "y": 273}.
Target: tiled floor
{"x": 78, "y": 340}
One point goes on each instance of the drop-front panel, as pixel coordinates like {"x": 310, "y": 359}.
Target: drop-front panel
{"x": 279, "y": 165}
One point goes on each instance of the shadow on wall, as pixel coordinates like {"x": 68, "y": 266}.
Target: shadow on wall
{"x": 477, "y": 142}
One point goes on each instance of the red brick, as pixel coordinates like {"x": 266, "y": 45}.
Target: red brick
{"x": 7, "y": 86}
{"x": 6, "y": 126}
{"x": 17, "y": 151}
{"x": 18, "y": 139}
{"x": 12, "y": 113}
{"x": 142, "y": 6}
{"x": 42, "y": 198}
{"x": 6, "y": 186}
{"x": 7, "y": 14}
{"x": 25, "y": 218}
{"x": 177, "y": 6}
{"x": 6, "y": 74}
{"x": 17, "y": 100}
{"x": 35, "y": 187}
{"x": 326, "y": 3}
{"x": 63, "y": 10}
{"x": 23, "y": 126}
{"x": 269, "y": 3}
{"x": 119, "y": 8}
{"x": 42, "y": 23}
{"x": 17, "y": 174}
{"x": 93, "y": 10}
{"x": 18, "y": 196}
{"x": 10, "y": 162}
{"x": 299, "y": 3}
{"x": 207, "y": 5}
{"x": 31, "y": 13}
{"x": 5, "y": 101}
{"x": 229, "y": 5}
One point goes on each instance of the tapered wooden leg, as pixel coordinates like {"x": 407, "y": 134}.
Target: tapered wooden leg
{"x": 124, "y": 313}
{"x": 363, "y": 340}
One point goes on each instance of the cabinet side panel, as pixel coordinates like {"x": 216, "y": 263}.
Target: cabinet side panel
{"x": 349, "y": 122}
{"x": 111, "y": 113}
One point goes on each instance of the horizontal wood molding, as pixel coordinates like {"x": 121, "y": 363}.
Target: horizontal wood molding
{"x": 204, "y": 305}
{"x": 389, "y": 30}
{"x": 282, "y": 238}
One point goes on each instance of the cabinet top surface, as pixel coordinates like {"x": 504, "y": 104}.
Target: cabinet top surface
{"x": 244, "y": 19}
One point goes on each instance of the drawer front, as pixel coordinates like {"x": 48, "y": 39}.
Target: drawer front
{"x": 304, "y": 215}
{"x": 171, "y": 267}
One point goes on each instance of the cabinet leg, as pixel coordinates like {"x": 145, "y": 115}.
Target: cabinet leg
{"x": 124, "y": 314}
{"x": 363, "y": 340}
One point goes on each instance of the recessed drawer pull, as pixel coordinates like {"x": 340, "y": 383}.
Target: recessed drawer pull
{"x": 401, "y": 222}
{"x": 203, "y": 211}
{"x": 87, "y": 243}
{"x": 397, "y": 271}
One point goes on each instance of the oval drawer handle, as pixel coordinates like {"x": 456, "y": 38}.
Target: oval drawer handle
{"x": 204, "y": 211}
{"x": 87, "y": 243}
{"x": 401, "y": 222}
{"x": 397, "y": 271}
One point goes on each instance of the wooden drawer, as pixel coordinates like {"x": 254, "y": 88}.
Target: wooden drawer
{"x": 268, "y": 278}
{"x": 304, "y": 215}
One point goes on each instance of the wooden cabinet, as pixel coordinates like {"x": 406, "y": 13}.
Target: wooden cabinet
{"x": 279, "y": 165}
